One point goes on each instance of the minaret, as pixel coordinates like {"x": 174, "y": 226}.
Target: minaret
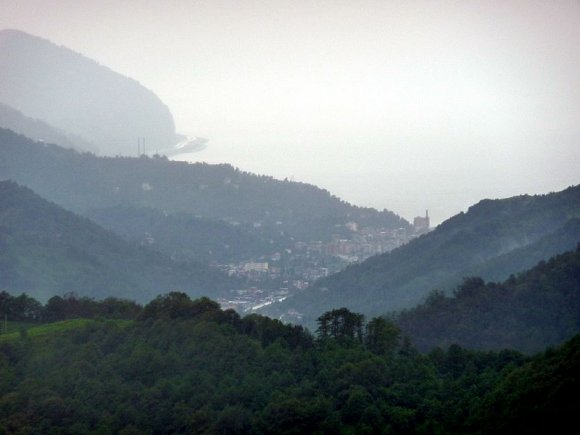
{"x": 427, "y": 218}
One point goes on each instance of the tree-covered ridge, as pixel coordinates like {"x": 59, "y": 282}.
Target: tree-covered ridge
{"x": 538, "y": 397}
{"x": 25, "y": 309}
{"x": 184, "y": 236}
{"x": 81, "y": 182}
{"x": 520, "y": 259}
{"x": 46, "y": 250}
{"x": 530, "y": 227}
{"x": 528, "y": 312}
{"x": 186, "y": 366}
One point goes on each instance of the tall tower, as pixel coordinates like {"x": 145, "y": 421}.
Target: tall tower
{"x": 421, "y": 224}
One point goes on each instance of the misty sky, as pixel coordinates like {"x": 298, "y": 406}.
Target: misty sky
{"x": 404, "y": 105}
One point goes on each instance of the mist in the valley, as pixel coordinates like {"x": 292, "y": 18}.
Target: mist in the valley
{"x": 400, "y": 105}
{"x": 289, "y": 216}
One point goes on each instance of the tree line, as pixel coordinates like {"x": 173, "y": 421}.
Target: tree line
{"x": 187, "y": 366}
{"x": 24, "y": 308}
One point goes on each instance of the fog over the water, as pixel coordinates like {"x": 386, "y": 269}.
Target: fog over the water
{"x": 405, "y": 105}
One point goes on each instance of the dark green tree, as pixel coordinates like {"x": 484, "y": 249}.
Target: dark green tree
{"x": 382, "y": 336}
{"x": 342, "y": 325}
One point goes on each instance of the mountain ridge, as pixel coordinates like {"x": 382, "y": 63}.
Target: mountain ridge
{"x": 47, "y": 250}
{"x": 39, "y": 130}
{"x": 539, "y": 307}
{"x": 404, "y": 276}
{"x": 80, "y": 182}
{"x": 80, "y": 96}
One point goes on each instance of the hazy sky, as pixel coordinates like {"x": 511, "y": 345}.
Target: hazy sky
{"x": 404, "y": 105}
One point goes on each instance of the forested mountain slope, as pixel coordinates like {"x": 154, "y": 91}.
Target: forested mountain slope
{"x": 183, "y": 236}
{"x": 81, "y": 182}
{"x": 520, "y": 259}
{"x": 188, "y": 367}
{"x": 536, "y": 309}
{"x": 46, "y": 250}
{"x": 534, "y": 227}
{"x": 76, "y": 94}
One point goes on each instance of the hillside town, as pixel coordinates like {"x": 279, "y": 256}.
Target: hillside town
{"x": 275, "y": 277}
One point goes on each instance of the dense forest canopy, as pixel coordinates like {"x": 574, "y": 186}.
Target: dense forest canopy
{"x": 528, "y": 312}
{"x": 186, "y": 366}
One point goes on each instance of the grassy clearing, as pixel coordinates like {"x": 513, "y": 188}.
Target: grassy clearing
{"x": 36, "y": 331}
{"x": 12, "y": 327}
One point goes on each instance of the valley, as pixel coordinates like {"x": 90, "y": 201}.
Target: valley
{"x": 283, "y": 274}
{"x": 145, "y": 291}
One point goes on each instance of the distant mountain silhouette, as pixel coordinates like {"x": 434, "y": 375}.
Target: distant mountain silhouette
{"x": 493, "y": 239}
{"x": 46, "y": 251}
{"x": 38, "y": 130}
{"x": 76, "y": 94}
